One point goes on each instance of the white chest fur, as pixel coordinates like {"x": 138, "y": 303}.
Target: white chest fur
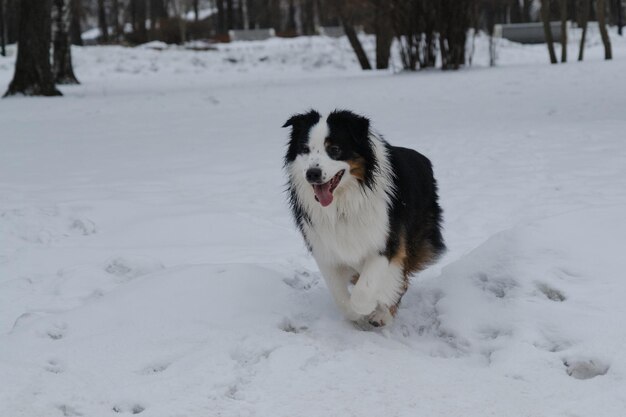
{"x": 352, "y": 228}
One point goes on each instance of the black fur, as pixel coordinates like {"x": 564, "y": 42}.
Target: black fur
{"x": 301, "y": 124}
{"x": 414, "y": 213}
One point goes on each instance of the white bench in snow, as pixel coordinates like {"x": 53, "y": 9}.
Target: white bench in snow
{"x": 528, "y": 32}
{"x": 251, "y": 34}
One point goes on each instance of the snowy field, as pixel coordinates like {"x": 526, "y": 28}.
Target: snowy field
{"x": 148, "y": 263}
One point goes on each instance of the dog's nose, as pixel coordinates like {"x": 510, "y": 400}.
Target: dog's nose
{"x": 314, "y": 175}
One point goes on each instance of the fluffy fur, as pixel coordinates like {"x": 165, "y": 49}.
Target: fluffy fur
{"x": 367, "y": 210}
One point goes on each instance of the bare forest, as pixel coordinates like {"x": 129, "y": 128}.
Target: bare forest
{"x": 428, "y": 33}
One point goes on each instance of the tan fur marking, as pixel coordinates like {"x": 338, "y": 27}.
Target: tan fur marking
{"x": 419, "y": 260}
{"x": 410, "y": 262}
{"x": 400, "y": 258}
{"x": 357, "y": 168}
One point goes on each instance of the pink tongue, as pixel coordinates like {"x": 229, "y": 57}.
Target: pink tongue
{"x": 323, "y": 194}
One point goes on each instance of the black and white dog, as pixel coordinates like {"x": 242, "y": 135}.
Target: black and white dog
{"x": 368, "y": 211}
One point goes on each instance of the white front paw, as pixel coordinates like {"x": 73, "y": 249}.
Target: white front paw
{"x": 362, "y": 302}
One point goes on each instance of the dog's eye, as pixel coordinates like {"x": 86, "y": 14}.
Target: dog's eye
{"x": 304, "y": 148}
{"x": 334, "y": 151}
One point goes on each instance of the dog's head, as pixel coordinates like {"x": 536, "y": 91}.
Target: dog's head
{"x": 330, "y": 152}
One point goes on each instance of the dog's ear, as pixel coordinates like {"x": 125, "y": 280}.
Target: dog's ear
{"x": 303, "y": 119}
{"x": 291, "y": 121}
{"x": 358, "y": 126}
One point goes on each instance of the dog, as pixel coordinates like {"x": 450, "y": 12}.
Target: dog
{"x": 368, "y": 211}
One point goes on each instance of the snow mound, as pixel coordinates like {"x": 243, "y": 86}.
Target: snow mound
{"x": 535, "y": 309}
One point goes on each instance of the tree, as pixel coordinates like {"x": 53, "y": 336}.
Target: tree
{"x": 196, "y": 11}
{"x": 158, "y": 11}
{"x": 62, "y": 56}
{"x": 33, "y": 73}
{"x": 348, "y": 28}
{"x": 102, "y": 22}
{"x": 221, "y": 18}
{"x": 384, "y": 33}
{"x": 563, "y": 11}
{"x": 620, "y": 18}
{"x": 307, "y": 16}
{"x": 601, "y": 14}
{"x": 3, "y": 39}
{"x": 490, "y": 21}
{"x": 180, "y": 10}
{"x": 138, "y": 17}
{"x": 547, "y": 30}
{"x": 408, "y": 29}
{"x": 76, "y": 14}
{"x": 230, "y": 15}
{"x": 291, "y": 18}
{"x": 585, "y": 8}
{"x": 115, "y": 17}
{"x": 453, "y": 23}
{"x": 11, "y": 20}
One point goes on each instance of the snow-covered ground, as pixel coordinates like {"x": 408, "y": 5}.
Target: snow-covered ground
{"x": 148, "y": 263}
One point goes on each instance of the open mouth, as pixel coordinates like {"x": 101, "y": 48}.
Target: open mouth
{"x": 324, "y": 192}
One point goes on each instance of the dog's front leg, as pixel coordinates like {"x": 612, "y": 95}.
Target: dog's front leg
{"x": 337, "y": 279}
{"x": 380, "y": 284}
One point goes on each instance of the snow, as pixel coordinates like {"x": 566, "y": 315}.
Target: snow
{"x": 148, "y": 263}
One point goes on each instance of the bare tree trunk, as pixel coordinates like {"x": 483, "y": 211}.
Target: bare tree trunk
{"x": 102, "y": 22}
{"x": 526, "y": 6}
{"x": 354, "y": 39}
{"x": 230, "y": 15}
{"x": 115, "y": 13}
{"x": 33, "y": 73}
{"x": 62, "y": 55}
{"x": 11, "y": 19}
{"x": 384, "y": 33}
{"x": 563, "y": 11}
{"x": 620, "y": 18}
{"x": 196, "y": 11}
{"x": 221, "y": 17}
{"x": 547, "y": 30}
{"x": 76, "y": 13}
{"x": 140, "y": 30}
{"x": 585, "y": 6}
{"x": 601, "y": 13}
{"x": 243, "y": 15}
{"x": 291, "y": 17}
{"x": 3, "y": 32}
{"x": 307, "y": 13}
{"x": 275, "y": 15}
{"x": 180, "y": 9}
{"x": 252, "y": 14}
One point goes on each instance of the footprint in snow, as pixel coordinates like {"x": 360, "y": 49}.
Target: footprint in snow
{"x": 69, "y": 411}
{"x": 551, "y": 293}
{"x": 53, "y": 366}
{"x": 127, "y": 268}
{"x": 128, "y": 408}
{"x": 290, "y": 326}
{"x": 57, "y": 331}
{"x": 83, "y": 226}
{"x": 498, "y": 286}
{"x": 155, "y": 368}
{"x": 302, "y": 280}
